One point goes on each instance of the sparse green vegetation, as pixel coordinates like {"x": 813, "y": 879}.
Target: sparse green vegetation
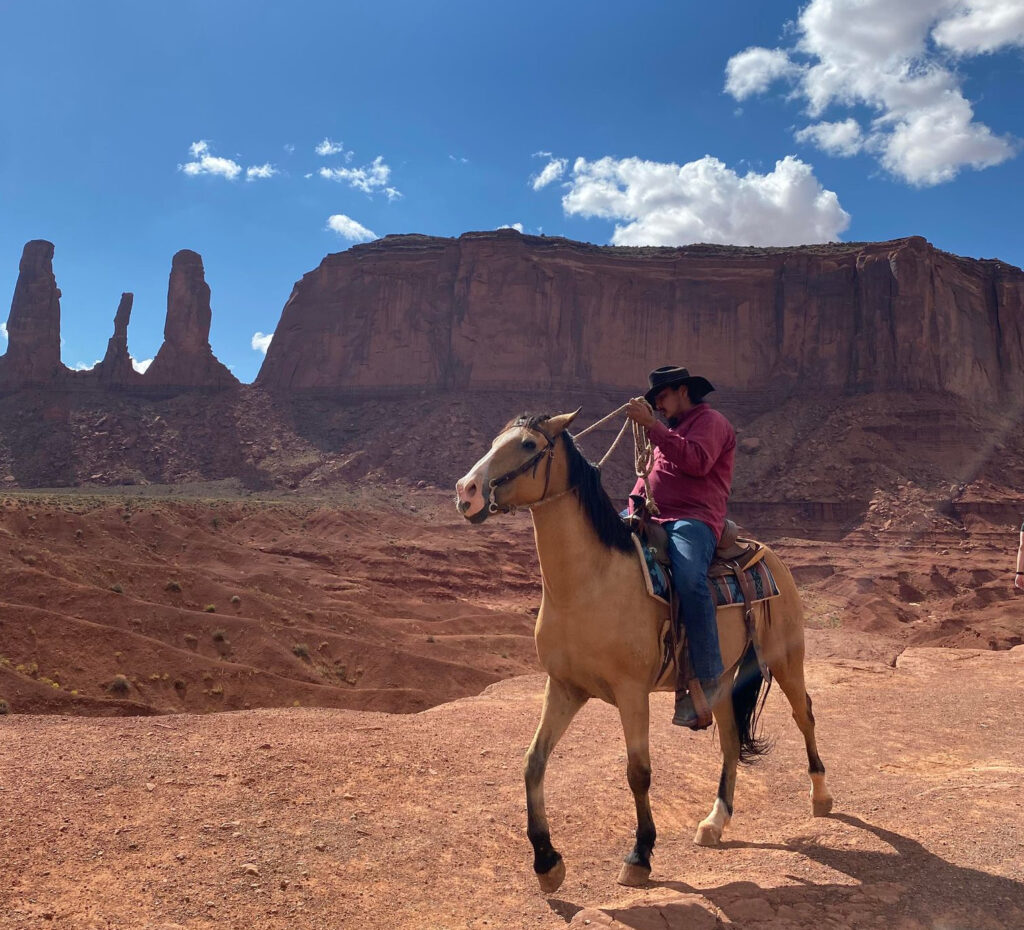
{"x": 210, "y": 608}
{"x": 5, "y": 708}
{"x": 235, "y": 599}
{"x": 430, "y": 639}
{"x": 218, "y": 690}
{"x": 173, "y": 586}
{"x": 220, "y": 636}
{"x": 118, "y": 685}
{"x": 301, "y": 650}
{"x": 191, "y": 640}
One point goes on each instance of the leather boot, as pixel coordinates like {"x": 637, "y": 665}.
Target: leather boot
{"x": 693, "y": 706}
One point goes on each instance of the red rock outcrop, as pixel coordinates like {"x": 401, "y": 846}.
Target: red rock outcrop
{"x": 33, "y": 327}
{"x": 185, "y": 358}
{"x": 116, "y": 367}
{"x": 498, "y": 309}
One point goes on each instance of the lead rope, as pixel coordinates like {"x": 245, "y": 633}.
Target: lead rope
{"x": 643, "y": 452}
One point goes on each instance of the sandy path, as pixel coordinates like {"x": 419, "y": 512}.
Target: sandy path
{"x": 316, "y": 818}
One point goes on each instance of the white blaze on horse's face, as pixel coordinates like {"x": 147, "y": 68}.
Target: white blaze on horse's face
{"x": 472, "y": 491}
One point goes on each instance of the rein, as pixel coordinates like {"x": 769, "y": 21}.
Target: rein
{"x": 643, "y": 462}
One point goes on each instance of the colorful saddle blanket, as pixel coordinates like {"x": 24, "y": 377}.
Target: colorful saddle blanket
{"x": 725, "y": 589}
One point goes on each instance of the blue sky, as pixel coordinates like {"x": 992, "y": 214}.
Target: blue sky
{"x": 131, "y": 130}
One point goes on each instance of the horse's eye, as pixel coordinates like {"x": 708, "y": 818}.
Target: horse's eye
{"x": 529, "y": 445}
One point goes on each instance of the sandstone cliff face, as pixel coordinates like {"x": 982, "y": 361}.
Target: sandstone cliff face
{"x": 185, "y": 358}
{"x": 33, "y": 327}
{"x": 493, "y": 310}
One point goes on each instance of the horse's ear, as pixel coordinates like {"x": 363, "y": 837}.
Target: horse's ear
{"x": 561, "y": 422}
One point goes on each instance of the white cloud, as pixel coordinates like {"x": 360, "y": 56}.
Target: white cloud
{"x": 518, "y": 227}
{"x": 3, "y": 331}
{"x": 552, "y": 171}
{"x": 327, "y": 147}
{"x": 260, "y": 171}
{"x": 704, "y": 201}
{"x": 83, "y": 366}
{"x": 289, "y": 148}
{"x": 205, "y": 163}
{"x": 370, "y": 179}
{"x": 348, "y": 228}
{"x": 261, "y": 341}
{"x": 141, "y": 367}
{"x": 883, "y": 55}
{"x": 459, "y": 159}
{"x": 844, "y": 138}
{"x": 753, "y": 71}
{"x": 980, "y": 26}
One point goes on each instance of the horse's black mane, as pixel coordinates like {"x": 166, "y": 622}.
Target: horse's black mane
{"x": 585, "y": 477}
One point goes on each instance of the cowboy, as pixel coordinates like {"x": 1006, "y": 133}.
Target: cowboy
{"x": 690, "y": 480}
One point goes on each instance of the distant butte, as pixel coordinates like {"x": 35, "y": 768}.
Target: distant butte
{"x": 494, "y": 310}
{"x": 185, "y": 360}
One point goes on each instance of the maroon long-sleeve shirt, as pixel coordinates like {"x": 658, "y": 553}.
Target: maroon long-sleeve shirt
{"x": 691, "y": 475}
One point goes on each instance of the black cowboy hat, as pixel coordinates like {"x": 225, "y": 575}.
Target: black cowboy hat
{"x": 674, "y": 376}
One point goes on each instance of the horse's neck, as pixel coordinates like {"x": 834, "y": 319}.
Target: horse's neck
{"x": 571, "y": 556}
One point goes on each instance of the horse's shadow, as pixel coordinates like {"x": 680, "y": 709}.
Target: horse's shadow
{"x": 910, "y": 881}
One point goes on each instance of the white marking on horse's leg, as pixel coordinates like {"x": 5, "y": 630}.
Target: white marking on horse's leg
{"x": 709, "y": 831}
{"x": 821, "y": 797}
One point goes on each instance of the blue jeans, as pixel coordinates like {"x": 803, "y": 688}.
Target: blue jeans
{"x": 691, "y": 546}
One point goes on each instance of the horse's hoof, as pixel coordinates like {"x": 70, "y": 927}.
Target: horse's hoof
{"x": 821, "y": 808}
{"x": 551, "y": 880}
{"x": 707, "y": 835}
{"x": 634, "y": 876}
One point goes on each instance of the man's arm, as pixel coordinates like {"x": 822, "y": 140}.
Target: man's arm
{"x": 697, "y": 451}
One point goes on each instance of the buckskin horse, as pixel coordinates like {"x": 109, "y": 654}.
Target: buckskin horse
{"x": 599, "y": 633}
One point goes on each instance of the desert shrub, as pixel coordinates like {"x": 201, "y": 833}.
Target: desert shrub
{"x": 220, "y": 636}
{"x": 5, "y": 708}
{"x": 235, "y": 599}
{"x": 117, "y": 589}
{"x": 301, "y": 650}
{"x": 191, "y": 640}
{"x": 217, "y": 690}
{"x": 210, "y": 608}
{"x": 430, "y": 639}
{"x": 119, "y": 684}
{"x": 173, "y": 586}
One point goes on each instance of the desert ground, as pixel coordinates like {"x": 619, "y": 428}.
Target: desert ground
{"x": 262, "y": 710}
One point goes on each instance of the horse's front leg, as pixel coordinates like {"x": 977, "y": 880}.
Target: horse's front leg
{"x": 634, "y": 710}
{"x": 561, "y": 703}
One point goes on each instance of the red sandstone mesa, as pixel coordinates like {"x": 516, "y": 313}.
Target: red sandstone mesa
{"x": 498, "y": 309}
{"x": 116, "y": 367}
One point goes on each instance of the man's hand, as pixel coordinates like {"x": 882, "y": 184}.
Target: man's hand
{"x": 639, "y": 411}
{"x": 1018, "y": 582}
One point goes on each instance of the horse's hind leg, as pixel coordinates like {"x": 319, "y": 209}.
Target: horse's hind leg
{"x": 709, "y": 830}
{"x": 634, "y": 711}
{"x": 561, "y": 703}
{"x": 790, "y": 676}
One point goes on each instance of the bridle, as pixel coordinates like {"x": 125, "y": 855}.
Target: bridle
{"x": 533, "y": 462}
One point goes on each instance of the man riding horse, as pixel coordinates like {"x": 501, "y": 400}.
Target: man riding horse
{"x": 690, "y": 482}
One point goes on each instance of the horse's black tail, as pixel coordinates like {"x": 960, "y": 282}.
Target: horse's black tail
{"x": 746, "y": 690}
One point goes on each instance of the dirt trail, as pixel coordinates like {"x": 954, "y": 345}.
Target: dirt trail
{"x": 326, "y": 818}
